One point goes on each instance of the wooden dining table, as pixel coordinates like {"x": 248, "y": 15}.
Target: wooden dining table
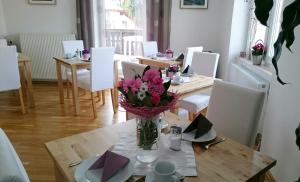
{"x": 26, "y": 79}
{"x": 227, "y": 161}
{"x": 159, "y": 62}
{"x": 74, "y": 65}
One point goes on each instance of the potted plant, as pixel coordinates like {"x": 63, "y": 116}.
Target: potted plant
{"x": 86, "y": 54}
{"x": 258, "y": 52}
{"x": 171, "y": 71}
{"x": 146, "y": 96}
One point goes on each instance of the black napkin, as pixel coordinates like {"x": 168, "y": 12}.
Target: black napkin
{"x": 180, "y": 57}
{"x": 186, "y": 70}
{"x": 201, "y": 124}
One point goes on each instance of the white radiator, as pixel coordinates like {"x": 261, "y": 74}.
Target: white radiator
{"x": 41, "y": 48}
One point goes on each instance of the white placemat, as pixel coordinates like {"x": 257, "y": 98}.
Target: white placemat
{"x": 184, "y": 160}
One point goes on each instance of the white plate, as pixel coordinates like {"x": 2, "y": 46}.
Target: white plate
{"x": 210, "y": 135}
{"x": 83, "y": 175}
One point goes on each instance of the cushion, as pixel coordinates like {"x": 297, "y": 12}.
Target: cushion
{"x": 11, "y": 168}
{"x": 195, "y": 103}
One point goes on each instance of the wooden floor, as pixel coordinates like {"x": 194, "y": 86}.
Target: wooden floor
{"x": 49, "y": 120}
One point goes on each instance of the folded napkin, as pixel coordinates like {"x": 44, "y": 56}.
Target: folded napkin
{"x": 111, "y": 164}
{"x": 186, "y": 70}
{"x": 181, "y": 56}
{"x": 201, "y": 124}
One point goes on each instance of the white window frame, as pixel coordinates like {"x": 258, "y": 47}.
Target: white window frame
{"x": 272, "y": 31}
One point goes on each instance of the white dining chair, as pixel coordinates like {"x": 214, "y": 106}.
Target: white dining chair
{"x": 149, "y": 48}
{"x": 189, "y": 52}
{"x": 3, "y": 42}
{"x": 9, "y": 72}
{"x": 203, "y": 64}
{"x": 132, "y": 69}
{"x": 11, "y": 168}
{"x": 70, "y": 47}
{"x": 235, "y": 111}
{"x": 102, "y": 74}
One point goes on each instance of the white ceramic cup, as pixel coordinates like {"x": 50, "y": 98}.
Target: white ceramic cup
{"x": 165, "y": 171}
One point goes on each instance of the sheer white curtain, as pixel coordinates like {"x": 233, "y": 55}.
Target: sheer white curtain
{"x": 121, "y": 24}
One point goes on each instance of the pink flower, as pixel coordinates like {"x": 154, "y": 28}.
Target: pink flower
{"x": 132, "y": 84}
{"x": 120, "y": 85}
{"x": 156, "y": 88}
{"x": 150, "y": 75}
{"x": 155, "y": 99}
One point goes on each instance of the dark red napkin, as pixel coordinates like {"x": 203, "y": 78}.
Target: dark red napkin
{"x": 111, "y": 164}
{"x": 201, "y": 124}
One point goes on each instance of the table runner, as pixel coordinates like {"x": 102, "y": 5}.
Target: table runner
{"x": 184, "y": 160}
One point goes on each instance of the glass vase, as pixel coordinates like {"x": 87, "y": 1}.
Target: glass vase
{"x": 148, "y": 133}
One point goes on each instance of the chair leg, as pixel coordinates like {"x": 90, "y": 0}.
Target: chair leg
{"x": 68, "y": 88}
{"x": 192, "y": 116}
{"x": 99, "y": 96}
{"x": 113, "y": 99}
{"x": 94, "y": 106}
{"x": 22, "y": 101}
{"x": 103, "y": 96}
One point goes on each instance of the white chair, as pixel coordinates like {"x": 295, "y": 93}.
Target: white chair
{"x": 3, "y": 42}
{"x": 70, "y": 47}
{"x": 203, "y": 64}
{"x": 235, "y": 111}
{"x": 132, "y": 69}
{"x": 101, "y": 76}
{"x": 150, "y": 48}
{"x": 11, "y": 168}
{"x": 9, "y": 72}
{"x": 189, "y": 52}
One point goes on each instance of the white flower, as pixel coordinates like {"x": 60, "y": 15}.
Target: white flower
{"x": 144, "y": 87}
{"x": 141, "y": 95}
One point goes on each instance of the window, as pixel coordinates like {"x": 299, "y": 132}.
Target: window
{"x": 259, "y": 32}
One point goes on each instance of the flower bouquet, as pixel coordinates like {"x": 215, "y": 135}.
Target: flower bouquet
{"x": 171, "y": 71}
{"x": 146, "y": 96}
{"x": 257, "y": 52}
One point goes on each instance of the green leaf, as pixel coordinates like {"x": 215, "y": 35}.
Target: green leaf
{"x": 123, "y": 92}
{"x": 297, "y": 132}
{"x": 146, "y": 69}
{"x": 132, "y": 98}
{"x": 147, "y": 101}
{"x": 167, "y": 85}
{"x": 262, "y": 10}
{"x": 277, "y": 53}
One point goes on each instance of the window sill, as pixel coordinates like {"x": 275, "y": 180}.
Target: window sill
{"x": 264, "y": 70}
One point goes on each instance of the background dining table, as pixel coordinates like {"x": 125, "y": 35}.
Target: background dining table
{"x": 159, "y": 62}
{"x": 226, "y": 161}
{"x": 74, "y": 65}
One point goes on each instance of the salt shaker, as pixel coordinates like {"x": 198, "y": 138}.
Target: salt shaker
{"x": 175, "y": 138}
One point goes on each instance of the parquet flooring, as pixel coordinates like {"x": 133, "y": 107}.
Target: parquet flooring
{"x": 49, "y": 120}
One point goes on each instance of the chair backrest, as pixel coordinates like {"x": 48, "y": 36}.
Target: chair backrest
{"x": 189, "y": 52}
{"x": 102, "y": 68}
{"x": 150, "y": 48}
{"x": 235, "y": 111}
{"x": 131, "y": 69}
{"x": 11, "y": 168}
{"x": 9, "y": 71}
{"x": 3, "y": 42}
{"x": 71, "y": 46}
{"x": 205, "y": 63}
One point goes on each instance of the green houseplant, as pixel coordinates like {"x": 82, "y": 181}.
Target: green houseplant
{"x": 290, "y": 20}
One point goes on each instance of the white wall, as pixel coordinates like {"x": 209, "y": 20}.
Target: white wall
{"x": 283, "y": 117}
{"x": 2, "y": 20}
{"x": 211, "y": 28}
{"x": 22, "y": 17}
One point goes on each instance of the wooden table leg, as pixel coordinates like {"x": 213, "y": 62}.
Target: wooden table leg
{"x": 60, "y": 82}
{"x": 75, "y": 91}
{"x": 29, "y": 84}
